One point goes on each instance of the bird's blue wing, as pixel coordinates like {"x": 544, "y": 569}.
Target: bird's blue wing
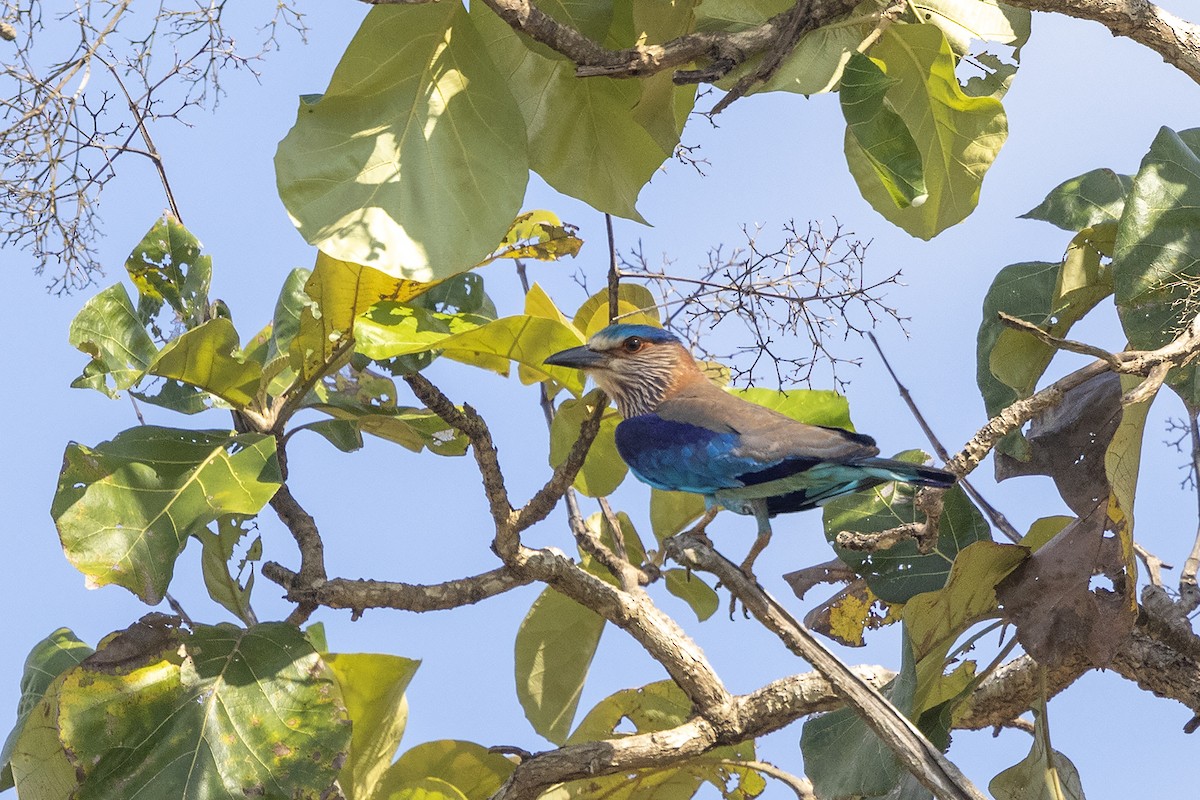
{"x": 682, "y": 457}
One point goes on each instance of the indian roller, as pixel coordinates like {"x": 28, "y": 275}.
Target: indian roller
{"x": 682, "y": 432}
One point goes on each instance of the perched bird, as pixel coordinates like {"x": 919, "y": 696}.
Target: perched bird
{"x": 682, "y": 432}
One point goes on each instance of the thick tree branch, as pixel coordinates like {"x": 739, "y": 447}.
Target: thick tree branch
{"x": 1175, "y": 39}
{"x": 312, "y": 550}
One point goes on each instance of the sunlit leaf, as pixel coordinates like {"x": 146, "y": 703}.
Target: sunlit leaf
{"x": 880, "y": 132}
{"x": 471, "y": 769}
{"x": 167, "y": 266}
{"x": 125, "y": 508}
{"x": 635, "y": 305}
{"x": 813, "y": 406}
{"x": 209, "y": 357}
{"x": 539, "y": 235}
{"x": 983, "y": 20}
{"x": 355, "y": 171}
{"x": 109, "y": 330}
{"x": 372, "y": 688}
{"x": 554, "y": 649}
{"x": 671, "y": 512}
{"x": 958, "y": 135}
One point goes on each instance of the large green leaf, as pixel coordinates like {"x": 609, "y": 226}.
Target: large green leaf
{"x": 40, "y": 766}
{"x": 985, "y": 20}
{"x": 880, "y": 132}
{"x": 167, "y": 266}
{"x": 958, "y": 136}
{"x": 900, "y": 572}
{"x": 217, "y": 712}
{"x": 671, "y": 512}
{"x": 1092, "y": 198}
{"x": 1053, "y": 297}
{"x": 109, "y": 329}
{"x": 48, "y": 659}
{"x": 585, "y": 137}
{"x": 209, "y": 357}
{"x": 1044, "y": 774}
{"x": 554, "y": 649}
{"x": 656, "y": 707}
{"x": 471, "y": 769}
{"x": 1156, "y": 265}
{"x": 414, "y": 160}
{"x": 813, "y": 406}
{"x": 603, "y": 470}
{"x": 664, "y": 107}
{"x": 372, "y": 686}
{"x": 125, "y": 508}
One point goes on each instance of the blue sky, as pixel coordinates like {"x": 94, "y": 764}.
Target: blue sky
{"x": 1082, "y": 100}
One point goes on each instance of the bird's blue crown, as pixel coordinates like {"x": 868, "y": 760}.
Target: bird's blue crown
{"x": 613, "y": 335}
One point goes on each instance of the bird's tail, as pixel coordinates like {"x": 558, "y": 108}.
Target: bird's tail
{"x": 889, "y": 469}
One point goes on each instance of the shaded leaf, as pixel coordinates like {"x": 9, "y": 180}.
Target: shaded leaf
{"x": 603, "y": 469}
{"x": 1084, "y": 201}
{"x": 344, "y": 434}
{"x": 691, "y": 589}
{"x": 125, "y": 508}
{"x": 109, "y": 330}
{"x": 880, "y": 132}
{"x": 554, "y": 649}
{"x": 1044, "y": 774}
{"x": 224, "y": 586}
{"x": 474, "y": 771}
{"x": 672, "y": 512}
{"x": 958, "y": 136}
{"x": 834, "y": 571}
{"x": 372, "y": 688}
{"x": 1156, "y": 266}
{"x": 900, "y": 572}
{"x": 209, "y": 357}
{"x": 149, "y": 714}
{"x": 353, "y": 171}
{"x": 167, "y": 266}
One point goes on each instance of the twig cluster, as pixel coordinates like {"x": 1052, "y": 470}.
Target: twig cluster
{"x": 63, "y": 126}
{"x": 811, "y": 287}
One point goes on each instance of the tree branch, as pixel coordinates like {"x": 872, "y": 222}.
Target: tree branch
{"x": 312, "y": 550}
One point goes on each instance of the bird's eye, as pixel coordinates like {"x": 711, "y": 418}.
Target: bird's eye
{"x": 632, "y": 344}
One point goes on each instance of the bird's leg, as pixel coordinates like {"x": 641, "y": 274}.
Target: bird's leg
{"x": 759, "y": 506}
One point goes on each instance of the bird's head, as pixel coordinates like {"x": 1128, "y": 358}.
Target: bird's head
{"x": 637, "y": 365}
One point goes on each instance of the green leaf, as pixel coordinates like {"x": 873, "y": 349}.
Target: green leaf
{"x": 176, "y": 396}
{"x": 1052, "y": 296}
{"x": 554, "y": 649}
{"x": 390, "y": 329}
{"x": 474, "y": 771}
{"x": 167, "y": 266}
{"x": 671, "y": 512}
{"x": 125, "y": 508}
{"x": 372, "y": 687}
{"x": 218, "y": 712}
{"x": 603, "y": 470}
{"x": 1044, "y": 774}
{"x": 934, "y": 620}
{"x": 355, "y": 170}
{"x": 539, "y": 235}
{"x": 657, "y": 707}
{"x": 344, "y": 434}
{"x": 843, "y": 757}
{"x": 897, "y": 574}
{"x": 585, "y": 139}
{"x": 223, "y": 586}
{"x": 813, "y": 406}
{"x": 635, "y": 305}
{"x": 1156, "y": 266}
{"x": 880, "y": 132}
{"x": 958, "y": 136}
{"x": 40, "y": 767}
{"x": 664, "y": 107}
{"x": 109, "y": 330}
{"x": 693, "y": 591}
{"x": 48, "y": 659}
{"x": 1090, "y": 199}
{"x": 209, "y": 357}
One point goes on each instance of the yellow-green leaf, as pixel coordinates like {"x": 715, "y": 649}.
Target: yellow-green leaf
{"x": 210, "y": 358}
{"x": 603, "y": 470}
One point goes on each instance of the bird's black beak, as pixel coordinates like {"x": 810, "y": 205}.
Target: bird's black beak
{"x": 581, "y": 357}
